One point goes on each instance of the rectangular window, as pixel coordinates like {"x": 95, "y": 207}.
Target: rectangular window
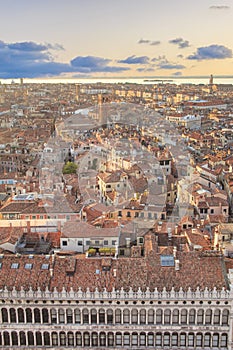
{"x": 14, "y": 266}
{"x": 28, "y": 266}
{"x": 80, "y": 243}
{"x": 44, "y": 266}
{"x": 64, "y": 243}
{"x": 105, "y": 242}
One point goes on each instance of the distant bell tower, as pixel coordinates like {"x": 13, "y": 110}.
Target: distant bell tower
{"x": 211, "y": 80}
{"x": 77, "y": 92}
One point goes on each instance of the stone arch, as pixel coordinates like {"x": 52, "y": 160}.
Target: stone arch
{"x": 28, "y": 315}
{"x": 38, "y": 338}
{"x": 102, "y": 316}
{"x": 14, "y": 338}
{"x": 134, "y": 316}
{"x": 30, "y": 338}
{"x": 70, "y": 338}
{"x": 12, "y": 315}
{"x": 46, "y": 338}
{"x": 22, "y": 338}
{"x": 21, "y": 318}
{"x": 4, "y": 315}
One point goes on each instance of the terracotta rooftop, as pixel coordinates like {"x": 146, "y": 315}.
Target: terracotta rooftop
{"x": 196, "y": 270}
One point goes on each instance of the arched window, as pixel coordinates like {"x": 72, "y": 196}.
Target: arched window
{"x": 110, "y": 338}
{"x": 126, "y": 339}
{"x": 37, "y": 316}
{"x": 134, "y": 339}
{"x": 118, "y": 339}
{"x": 54, "y": 339}
{"x": 38, "y": 338}
{"x": 166, "y": 339}
{"x": 86, "y": 339}
{"x": 94, "y": 339}
{"x": 101, "y": 316}
{"x": 54, "y": 316}
{"x": 118, "y": 316}
{"x": 12, "y": 315}
{"x": 208, "y": 316}
{"x": 190, "y": 340}
{"x": 215, "y": 340}
{"x": 207, "y": 339}
{"x": 46, "y": 339}
{"x": 69, "y": 316}
{"x": 184, "y": 314}
{"x": 182, "y": 339}
{"x": 78, "y": 337}
{"x": 225, "y": 317}
{"x": 174, "y": 339}
{"x": 28, "y": 315}
{"x": 126, "y": 316}
{"x": 77, "y": 316}
{"x": 134, "y": 316}
{"x": 45, "y": 315}
{"x": 217, "y": 317}
{"x": 30, "y": 338}
{"x": 142, "y": 338}
{"x": 61, "y": 316}
{"x": 93, "y": 316}
{"x": 102, "y": 339}
{"x": 192, "y": 316}
{"x": 167, "y": 316}
{"x": 109, "y": 316}
{"x": 151, "y": 316}
{"x": 70, "y": 338}
{"x": 224, "y": 339}
{"x": 158, "y": 339}
{"x": 14, "y": 338}
{"x": 22, "y": 338}
{"x": 6, "y": 338}
{"x": 200, "y": 316}
{"x": 150, "y": 339}
{"x": 159, "y": 316}
{"x": 21, "y": 316}
{"x": 62, "y": 338}
{"x": 143, "y": 316}
{"x": 4, "y": 315}
{"x": 86, "y": 317}
{"x": 199, "y": 340}
{"x": 175, "y": 316}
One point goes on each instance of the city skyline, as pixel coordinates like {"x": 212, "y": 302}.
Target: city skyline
{"x": 90, "y": 39}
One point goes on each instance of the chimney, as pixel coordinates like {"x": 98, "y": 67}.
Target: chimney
{"x": 28, "y": 227}
{"x": 169, "y": 233}
{"x": 177, "y": 265}
{"x": 127, "y": 242}
{"x": 174, "y": 252}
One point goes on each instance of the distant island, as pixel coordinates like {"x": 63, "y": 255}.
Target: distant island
{"x": 168, "y": 80}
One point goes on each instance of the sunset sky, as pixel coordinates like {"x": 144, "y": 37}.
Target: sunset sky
{"x": 104, "y": 38}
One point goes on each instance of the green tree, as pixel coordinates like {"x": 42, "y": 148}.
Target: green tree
{"x": 69, "y": 168}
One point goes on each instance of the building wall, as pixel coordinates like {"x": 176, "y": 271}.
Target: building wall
{"x": 172, "y": 320}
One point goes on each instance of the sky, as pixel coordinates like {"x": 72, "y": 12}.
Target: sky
{"x": 108, "y": 38}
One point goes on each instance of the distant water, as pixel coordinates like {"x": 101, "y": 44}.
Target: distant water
{"x": 144, "y": 80}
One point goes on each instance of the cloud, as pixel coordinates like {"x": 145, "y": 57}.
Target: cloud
{"x": 171, "y": 66}
{"x": 135, "y": 60}
{"x": 149, "y": 42}
{"x": 219, "y": 7}
{"x": 211, "y": 52}
{"x": 181, "y": 43}
{"x": 177, "y": 74}
{"x": 160, "y": 59}
{"x": 145, "y": 70}
{"x": 143, "y": 41}
{"x": 93, "y": 64}
{"x": 155, "y": 43}
{"x": 31, "y": 60}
